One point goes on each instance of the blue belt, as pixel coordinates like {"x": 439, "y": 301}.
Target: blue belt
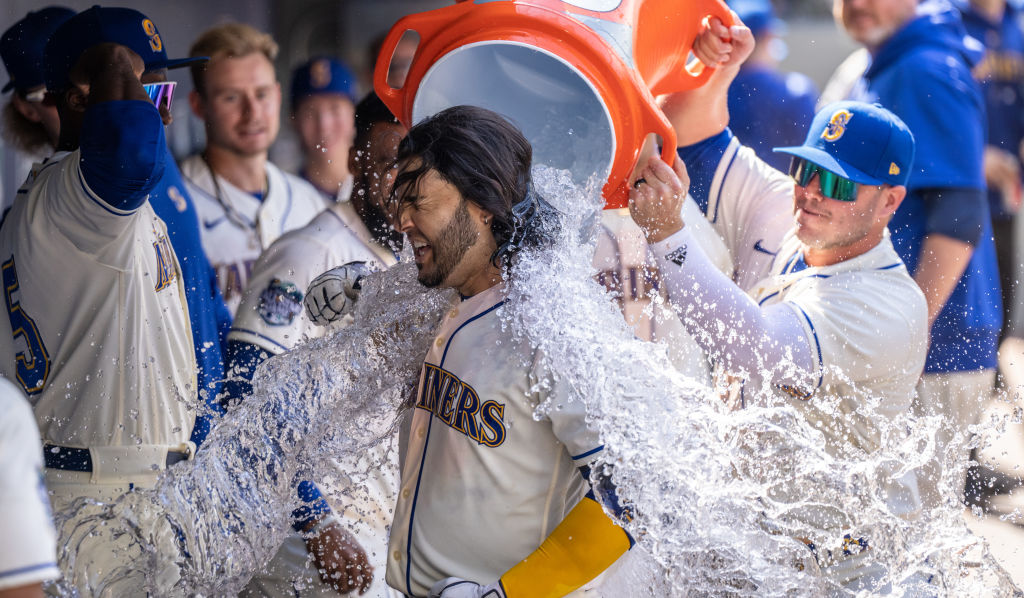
{"x": 78, "y": 459}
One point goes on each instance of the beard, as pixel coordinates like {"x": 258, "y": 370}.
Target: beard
{"x": 449, "y": 248}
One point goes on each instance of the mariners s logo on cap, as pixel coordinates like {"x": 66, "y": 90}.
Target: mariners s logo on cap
{"x": 837, "y": 125}
{"x": 154, "y": 37}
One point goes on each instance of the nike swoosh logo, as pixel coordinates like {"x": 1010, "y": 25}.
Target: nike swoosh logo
{"x": 759, "y": 247}
{"x": 212, "y": 223}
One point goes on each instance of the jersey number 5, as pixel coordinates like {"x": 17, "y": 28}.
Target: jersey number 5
{"x": 33, "y": 364}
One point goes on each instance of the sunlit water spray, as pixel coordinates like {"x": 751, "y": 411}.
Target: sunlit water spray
{"x": 713, "y": 491}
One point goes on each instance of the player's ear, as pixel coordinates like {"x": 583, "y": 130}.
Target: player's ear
{"x": 893, "y": 197}
{"x": 195, "y": 102}
{"x": 76, "y": 99}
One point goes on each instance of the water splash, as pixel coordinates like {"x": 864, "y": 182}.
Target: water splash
{"x": 719, "y": 496}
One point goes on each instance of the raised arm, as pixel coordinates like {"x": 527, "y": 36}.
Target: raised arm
{"x": 122, "y": 137}
{"x": 700, "y": 113}
{"x": 734, "y": 330}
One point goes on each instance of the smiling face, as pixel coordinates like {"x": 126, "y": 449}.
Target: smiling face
{"x": 451, "y": 236}
{"x": 833, "y": 230}
{"x": 241, "y": 105}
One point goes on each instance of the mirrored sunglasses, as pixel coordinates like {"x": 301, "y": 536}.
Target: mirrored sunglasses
{"x": 832, "y": 185}
{"x": 161, "y": 93}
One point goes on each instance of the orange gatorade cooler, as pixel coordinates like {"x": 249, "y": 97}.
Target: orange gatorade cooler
{"x": 578, "y": 77}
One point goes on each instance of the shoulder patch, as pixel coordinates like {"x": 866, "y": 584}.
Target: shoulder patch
{"x": 280, "y": 302}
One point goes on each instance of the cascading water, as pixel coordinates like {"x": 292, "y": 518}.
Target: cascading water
{"x": 719, "y": 496}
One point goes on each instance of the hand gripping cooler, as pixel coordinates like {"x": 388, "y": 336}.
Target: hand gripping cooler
{"x": 577, "y": 77}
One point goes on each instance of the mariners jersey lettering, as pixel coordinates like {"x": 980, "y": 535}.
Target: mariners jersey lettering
{"x": 458, "y": 405}
{"x": 271, "y": 314}
{"x": 483, "y": 482}
{"x": 96, "y": 322}
{"x": 235, "y": 226}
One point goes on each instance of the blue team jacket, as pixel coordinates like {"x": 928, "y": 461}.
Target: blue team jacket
{"x": 923, "y": 74}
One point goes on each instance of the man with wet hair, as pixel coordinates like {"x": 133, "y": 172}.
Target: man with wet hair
{"x": 485, "y": 507}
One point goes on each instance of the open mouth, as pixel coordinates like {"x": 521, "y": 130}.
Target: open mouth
{"x": 420, "y": 250}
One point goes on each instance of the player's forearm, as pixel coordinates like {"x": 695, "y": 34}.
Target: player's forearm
{"x": 122, "y": 151}
{"x": 704, "y": 112}
{"x": 699, "y": 114}
{"x": 942, "y": 263}
{"x": 740, "y": 335}
{"x": 583, "y": 545}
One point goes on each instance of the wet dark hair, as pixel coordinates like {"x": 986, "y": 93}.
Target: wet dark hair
{"x": 488, "y": 160}
{"x": 370, "y": 111}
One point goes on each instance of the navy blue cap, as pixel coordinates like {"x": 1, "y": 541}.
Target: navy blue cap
{"x": 862, "y": 142}
{"x": 758, "y": 15}
{"x": 21, "y": 46}
{"x": 124, "y": 26}
{"x": 323, "y": 75}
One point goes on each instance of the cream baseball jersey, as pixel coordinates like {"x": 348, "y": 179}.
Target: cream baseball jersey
{"x": 271, "y": 314}
{"x": 483, "y": 482}
{"x": 750, "y": 205}
{"x": 97, "y": 329}
{"x": 236, "y": 226}
{"x": 846, "y": 310}
{"x": 28, "y": 553}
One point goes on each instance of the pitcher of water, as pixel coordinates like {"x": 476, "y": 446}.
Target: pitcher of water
{"x": 577, "y": 77}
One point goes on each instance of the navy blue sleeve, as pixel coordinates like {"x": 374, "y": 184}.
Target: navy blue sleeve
{"x": 122, "y": 151}
{"x": 959, "y": 213}
{"x": 701, "y": 160}
{"x": 603, "y": 492}
{"x": 242, "y": 360}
